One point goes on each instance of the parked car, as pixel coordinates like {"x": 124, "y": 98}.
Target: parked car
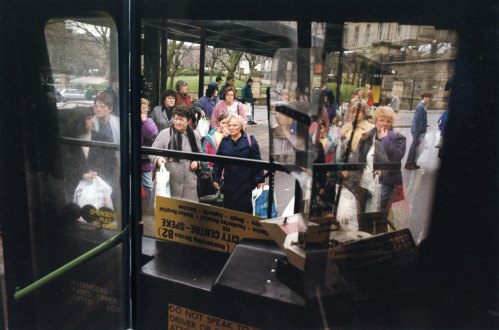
{"x": 74, "y": 104}
{"x": 72, "y": 94}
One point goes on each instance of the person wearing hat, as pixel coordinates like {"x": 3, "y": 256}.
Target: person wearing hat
{"x": 356, "y": 97}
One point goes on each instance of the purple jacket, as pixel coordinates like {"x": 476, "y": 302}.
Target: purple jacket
{"x": 394, "y": 145}
{"x": 149, "y": 132}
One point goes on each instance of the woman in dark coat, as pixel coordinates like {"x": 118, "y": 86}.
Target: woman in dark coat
{"x": 77, "y": 164}
{"x": 239, "y": 181}
{"x": 394, "y": 144}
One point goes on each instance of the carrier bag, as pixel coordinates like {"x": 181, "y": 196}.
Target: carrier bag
{"x": 96, "y": 193}
{"x": 161, "y": 187}
{"x": 260, "y": 200}
{"x": 203, "y": 127}
{"x": 373, "y": 203}
{"x": 347, "y": 211}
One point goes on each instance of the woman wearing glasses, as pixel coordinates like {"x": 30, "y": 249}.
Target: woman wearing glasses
{"x": 106, "y": 129}
{"x": 394, "y": 144}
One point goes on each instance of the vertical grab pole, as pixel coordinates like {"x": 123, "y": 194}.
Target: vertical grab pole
{"x": 271, "y": 158}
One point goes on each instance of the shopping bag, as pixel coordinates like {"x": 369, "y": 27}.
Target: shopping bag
{"x": 96, "y": 193}
{"x": 347, "y": 211}
{"x": 260, "y": 200}
{"x": 205, "y": 182}
{"x": 203, "y": 127}
{"x": 161, "y": 187}
{"x": 163, "y": 182}
{"x": 373, "y": 203}
{"x": 249, "y": 113}
{"x": 273, "y": 119}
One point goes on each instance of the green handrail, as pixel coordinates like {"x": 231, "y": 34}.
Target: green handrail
{"x": 110, "y": 243}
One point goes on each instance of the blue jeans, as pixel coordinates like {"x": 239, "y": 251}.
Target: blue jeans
{"x": 147, "y": 183}
{"x": 414, "y": 150}
{"x": 386, "y": 195}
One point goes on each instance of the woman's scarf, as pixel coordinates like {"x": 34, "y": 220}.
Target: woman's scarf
{"x": 169, "y": 111}
{"x": 365, "y": 144}
{"x": 176, "y": 141}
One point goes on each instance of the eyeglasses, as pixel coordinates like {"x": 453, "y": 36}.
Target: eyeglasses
{"x": 383, "y": 121}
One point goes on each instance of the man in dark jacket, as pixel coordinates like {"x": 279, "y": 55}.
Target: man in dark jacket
{"x": 230, "y": 82}
{"x": 418, "y": 130}
{"x": 247, "y": 95}
{"x": 114, "y": 91}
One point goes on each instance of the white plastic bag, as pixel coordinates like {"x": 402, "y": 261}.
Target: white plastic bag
{"x": 203, "y": 127}
{"x": 347, "y": 211}
{"x": 96, "y": 193}
{"x": 373, "y": 204}
{"x": 163, "y": 182}
{"x": 273, "y": 119}
{"x": 247, "y": 107}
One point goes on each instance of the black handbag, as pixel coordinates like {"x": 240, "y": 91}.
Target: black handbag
{"x": 205, "y": 182}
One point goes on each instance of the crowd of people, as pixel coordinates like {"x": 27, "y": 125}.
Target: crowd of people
{"x": 355, "y": 136}
{"x": 365, "y": 137}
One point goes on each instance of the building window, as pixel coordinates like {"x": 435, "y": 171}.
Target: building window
{"x": 356, "y": 38}
{"x": 399, "y": 31}
{"x": 368, "y": 32}
{"x": 380, "y": 31}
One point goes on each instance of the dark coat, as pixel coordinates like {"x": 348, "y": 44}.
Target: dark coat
{"x": 394, "y": 144}
{"x": 239, "y": 181}
{"x": 102, "y": 161}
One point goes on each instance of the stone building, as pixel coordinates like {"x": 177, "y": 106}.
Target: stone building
{"x": 418, "y": 57}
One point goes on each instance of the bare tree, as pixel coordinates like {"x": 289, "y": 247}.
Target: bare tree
{"x": 72, "y": 51}
{"x": 176, "y": 54}
{"x": 254, "y": 61}
{"x": 229, "y": 59}
{"x": 103, "y": 36}
{"x": 215, "y": 54}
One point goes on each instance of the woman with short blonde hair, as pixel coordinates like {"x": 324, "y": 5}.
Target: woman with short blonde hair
{"x": 394, "y": 143}
{"x": 239, "y": 181}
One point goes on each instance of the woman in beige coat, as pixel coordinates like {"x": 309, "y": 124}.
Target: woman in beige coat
{"x": 181, "y": 137}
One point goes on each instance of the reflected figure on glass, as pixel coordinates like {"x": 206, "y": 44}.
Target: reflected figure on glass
{"x": 356, "y": 97}
{"x": 362, "y": 125}
{"x": 331, "y": 107}
{"x": 77, "y": 163}
{"x": 89, "y": 93}
{"x": 149, "y": 131}
{"x": 162, "y": 115}
{"x": 369, "y": 96}
{"x": 359, "y": 185}
{"x": 396, "y": 103}
{"x": 180, "y": 137}
{"x": 418, "y": 130}
{"x": 107, "y": 129}
{"x": 114, "y": 91}
{"x": 239, "y": 181}
{"x": 394, "y": 143}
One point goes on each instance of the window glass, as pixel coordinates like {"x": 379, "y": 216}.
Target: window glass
{"x": 242, "y": 56}
{"x": 82, "y": 194}
{"x": 389, "y": 77}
